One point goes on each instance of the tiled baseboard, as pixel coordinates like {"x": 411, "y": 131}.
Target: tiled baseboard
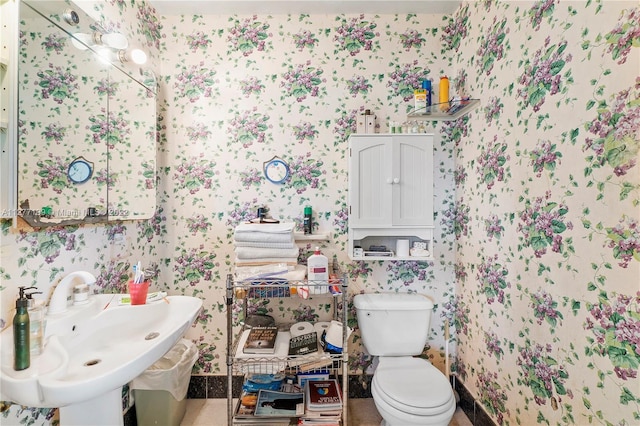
{"x": 472, "y": 408}
{"x": 359, "y": 387}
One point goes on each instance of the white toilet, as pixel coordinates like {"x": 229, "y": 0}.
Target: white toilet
{"x": 406, "y": 390}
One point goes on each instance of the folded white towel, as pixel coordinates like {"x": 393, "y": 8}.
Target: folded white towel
{"x": 265, "y": 244}
{"x": 269, "y": 228}
{"x": 263, "y": 237}
{"x": 260, "y": 253}
{"x": 266, "y": 261}
{"x": 271, "y": 271}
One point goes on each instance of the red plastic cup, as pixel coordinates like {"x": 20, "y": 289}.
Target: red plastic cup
{"x": 138, "y": 292}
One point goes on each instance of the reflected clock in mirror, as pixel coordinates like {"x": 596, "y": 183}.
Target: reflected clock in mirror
{"x": 80, "y": 170}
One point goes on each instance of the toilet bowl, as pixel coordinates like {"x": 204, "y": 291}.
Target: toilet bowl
{"x": 411, "y": 391}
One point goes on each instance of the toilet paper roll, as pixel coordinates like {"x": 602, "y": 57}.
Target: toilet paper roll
{"x": 402, "y": 248}
{"x": 300, "y": 328}
{"x": 320, "y": 327}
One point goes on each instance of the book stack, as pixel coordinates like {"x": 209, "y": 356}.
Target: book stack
{"x": 323, "y": 403}
{"x": 261, "y": 340}
{"x": 304, "y": 344}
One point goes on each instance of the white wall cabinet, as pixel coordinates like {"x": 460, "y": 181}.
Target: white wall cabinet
{"x": 390, "y": 192}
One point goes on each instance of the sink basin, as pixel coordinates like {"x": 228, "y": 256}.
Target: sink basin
{"x": 94, "y": 349}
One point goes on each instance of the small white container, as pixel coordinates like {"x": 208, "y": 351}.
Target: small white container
{"x": 366, "y": 123}
{"x": 370, "y": 123}
{"x": 402, "y": 248}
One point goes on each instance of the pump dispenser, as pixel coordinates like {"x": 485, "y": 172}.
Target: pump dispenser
{"x": 21, "y": 347}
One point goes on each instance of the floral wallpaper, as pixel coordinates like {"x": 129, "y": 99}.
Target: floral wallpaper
{"x": 536, "y": 192}
{"x": 547, "y": 191}
{"x": 239, "y": 90}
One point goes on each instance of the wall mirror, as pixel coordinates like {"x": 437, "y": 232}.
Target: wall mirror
{"x": 86, "y": 123}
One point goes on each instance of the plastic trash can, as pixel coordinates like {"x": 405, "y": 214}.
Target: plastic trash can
{"x": 160, "y": 392}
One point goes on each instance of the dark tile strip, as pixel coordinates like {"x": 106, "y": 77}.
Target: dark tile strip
{"x": 130, "y": 418}
{"x": 197, "y": 387}
{"x": 466, "y": 403}
{"x": 472, "y": 409}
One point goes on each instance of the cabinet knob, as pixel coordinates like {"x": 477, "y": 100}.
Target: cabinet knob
{"x": 390, "y": 181}
{"x": 396, "y": 180}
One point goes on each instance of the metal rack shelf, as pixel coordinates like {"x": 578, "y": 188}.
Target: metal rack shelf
{"x": 243, "y": 364}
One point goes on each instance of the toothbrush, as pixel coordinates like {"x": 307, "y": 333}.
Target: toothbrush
{"x": 138, "y": 273}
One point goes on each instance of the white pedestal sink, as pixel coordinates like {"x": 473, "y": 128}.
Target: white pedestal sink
{"x": 105, "y": 410}
{"x": 91, "y": 352}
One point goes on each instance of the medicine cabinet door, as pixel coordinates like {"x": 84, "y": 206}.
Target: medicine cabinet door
{"x": 370, "y": 188}
{"x": 412, "y": 175}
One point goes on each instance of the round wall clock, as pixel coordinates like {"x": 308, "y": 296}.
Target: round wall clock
{"x": 276, "y": 170}
{"x": 80, "y": 170}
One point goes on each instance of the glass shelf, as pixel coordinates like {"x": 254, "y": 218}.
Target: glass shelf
{"x": 436, "y": 113}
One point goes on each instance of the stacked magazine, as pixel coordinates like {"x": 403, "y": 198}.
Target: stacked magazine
{"x": 323, "y": 403}
{"x": 269, "y": 407}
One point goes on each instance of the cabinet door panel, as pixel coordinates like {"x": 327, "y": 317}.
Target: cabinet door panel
{"x": 413, "y": 192}
{"x": 369, "y": 191}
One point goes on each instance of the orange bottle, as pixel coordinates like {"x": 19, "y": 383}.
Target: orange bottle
{"x": 444, "y": 93}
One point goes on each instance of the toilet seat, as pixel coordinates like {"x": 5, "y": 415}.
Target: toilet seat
{"x": 413, "y": 386}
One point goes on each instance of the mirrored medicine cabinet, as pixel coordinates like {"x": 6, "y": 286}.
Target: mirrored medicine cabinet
{"x": 86, "y": 124}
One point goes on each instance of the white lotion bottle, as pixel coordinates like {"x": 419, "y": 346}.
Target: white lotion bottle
{"x": 318, "y": 270}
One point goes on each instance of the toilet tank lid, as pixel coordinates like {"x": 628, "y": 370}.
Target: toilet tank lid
{"x": 392, "y": 301}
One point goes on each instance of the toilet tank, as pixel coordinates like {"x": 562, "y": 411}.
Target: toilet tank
{"x": 393, "y": 324}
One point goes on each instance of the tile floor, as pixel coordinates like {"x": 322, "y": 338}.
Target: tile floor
{"x": 362, "y": 412}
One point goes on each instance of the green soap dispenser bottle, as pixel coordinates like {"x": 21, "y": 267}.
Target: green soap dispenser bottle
{"x": 21, "y": 331}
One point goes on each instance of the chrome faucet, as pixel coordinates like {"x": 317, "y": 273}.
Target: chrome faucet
{"x": 62, "y": 293}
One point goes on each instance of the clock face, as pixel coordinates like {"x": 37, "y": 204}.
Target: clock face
{"x": 80, "y": 170}
{"x": 276, "y": 170}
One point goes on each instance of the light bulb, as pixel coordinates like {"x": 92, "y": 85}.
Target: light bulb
{"x": 115, "y": 41}
{"x": 137, "y": 56}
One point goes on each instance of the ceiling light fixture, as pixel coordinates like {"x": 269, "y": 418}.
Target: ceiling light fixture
{"x": 84, "y": 41}
{"x": 113, "y": 40}
{"x": 137, "y": 56}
